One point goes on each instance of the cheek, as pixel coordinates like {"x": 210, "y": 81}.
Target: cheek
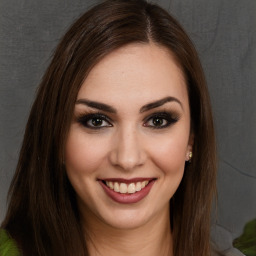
{"x": 82, "y": 155}
{"x": 169, "y": 155}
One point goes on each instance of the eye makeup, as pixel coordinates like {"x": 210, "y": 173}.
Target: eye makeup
{"x": 94, "y": 120}
{"x": 160, "y": 120}
{"x": 156, "y": 120}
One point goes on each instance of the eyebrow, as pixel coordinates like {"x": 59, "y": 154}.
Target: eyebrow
{"x": 97, "y": 105}
{"x": 110, "y": 109}
{"x": 159, "y": 103}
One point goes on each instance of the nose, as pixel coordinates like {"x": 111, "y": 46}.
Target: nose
{"x": 127, "y": 152}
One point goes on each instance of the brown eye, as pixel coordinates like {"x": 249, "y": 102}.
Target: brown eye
{"x": 160, "y": 120}
{"x": 95, "y": 121}
{"x": 157, "y": 122}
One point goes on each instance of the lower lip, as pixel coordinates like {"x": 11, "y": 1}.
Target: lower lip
{"x": 127, "y": 198}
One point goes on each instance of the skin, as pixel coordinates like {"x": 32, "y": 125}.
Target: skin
{"x": 128, "y": 146}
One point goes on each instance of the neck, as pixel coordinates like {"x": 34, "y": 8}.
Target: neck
{"x": 153, "y": 238}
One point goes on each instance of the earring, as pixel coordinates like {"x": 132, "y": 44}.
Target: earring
{"x": 189, "y": 156}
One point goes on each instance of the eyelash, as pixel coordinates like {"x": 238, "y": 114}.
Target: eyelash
{"x": 164, "y": 117}
{"x": 84, "y": 119}
{"x": 169, "y": 118}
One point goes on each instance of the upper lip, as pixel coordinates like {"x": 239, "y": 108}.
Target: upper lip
{"x": 128, "y": 181}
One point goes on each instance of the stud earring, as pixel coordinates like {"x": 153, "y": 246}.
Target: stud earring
{"x": 189, "y": 156}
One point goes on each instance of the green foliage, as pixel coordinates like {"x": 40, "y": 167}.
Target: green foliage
{"x": 7, "y": 245}
{"x": 246, "y": 243}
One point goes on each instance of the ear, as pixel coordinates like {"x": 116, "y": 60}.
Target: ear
{"x": 190, "y": 147}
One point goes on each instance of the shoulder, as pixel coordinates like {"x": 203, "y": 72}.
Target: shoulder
{"x": 8, "y": 246}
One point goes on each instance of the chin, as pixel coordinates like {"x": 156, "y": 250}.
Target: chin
{"x": 127, "y": 219}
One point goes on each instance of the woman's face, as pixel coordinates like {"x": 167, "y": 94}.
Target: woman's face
{"x": 130, "y": 137}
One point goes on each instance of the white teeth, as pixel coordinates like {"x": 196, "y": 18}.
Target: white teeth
{"x": 124, "y": 188}
{"x": 138, "y": 186}
{"x": 116, "y": 187}
{"x": 111, "y": 185}
{"x": 131, "y": 188}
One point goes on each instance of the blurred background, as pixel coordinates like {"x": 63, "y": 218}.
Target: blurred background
{"x": 224, "y": 33}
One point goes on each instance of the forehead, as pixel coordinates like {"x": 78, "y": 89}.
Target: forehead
{"x": 142, "y": 72}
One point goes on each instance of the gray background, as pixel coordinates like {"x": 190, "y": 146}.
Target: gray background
{"x": 224, "y": 33}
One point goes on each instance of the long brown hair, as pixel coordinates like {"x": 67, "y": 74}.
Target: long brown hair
{"x": 42, "y": 216}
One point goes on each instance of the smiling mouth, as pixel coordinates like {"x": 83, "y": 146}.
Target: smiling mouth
{"x": 127, "y": 191}
{"x": 127, "y": 187}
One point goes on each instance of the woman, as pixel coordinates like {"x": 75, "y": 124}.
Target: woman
{"x": 118, "y": 156}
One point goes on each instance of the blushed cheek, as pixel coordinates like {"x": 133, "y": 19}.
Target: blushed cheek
{"x": 75, "y": 155}
{"x": 170, "y": 157}
{"x": 83, "y": 156}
